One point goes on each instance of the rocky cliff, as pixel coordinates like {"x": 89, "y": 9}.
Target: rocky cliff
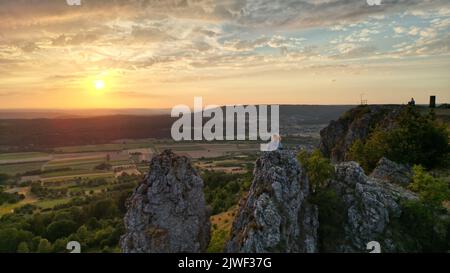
{"x": 370, "y": 205}
{"x": 167, "y": 212}
{"x": 357, "y": 123}
{"x": 276, "y": 215}
{"x": 392, "y": 172}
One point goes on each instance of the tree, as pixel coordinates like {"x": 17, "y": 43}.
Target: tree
{"x": 416, "y": 139}
{"x": 103, "y": 167}
{"x": 426, "y": 225}
{"x": 103, "y": 209}
{"x": 3, "y": 178}
{"x": 420, "y": 139}
{"x": 332, "y": 215}
{"x": 317, "y": 167}
{"x": 10, "y": 238}
{"x": 23, "y": 248}
{"x": 60, "y": 245}
{"x": 432, "y": 191}
{"x": 223, "y": 190}
{"x": 83, "y": 233}
{"x": 44, "y": 246}
{"x": 61, "y": 229}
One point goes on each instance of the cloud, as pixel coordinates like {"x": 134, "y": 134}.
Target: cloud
{"x": 311, "y": 13}
{"x": 414, "y": 31}
{"x": 133, "y": 94}
{"x": 351, "y": 51}
{"x": 150, "y": 34}
{"x": 77, "y": 39}
{"x": 399, "y": 30}
{"x": 175, "y": 39}
{"x": 262, "y": 13}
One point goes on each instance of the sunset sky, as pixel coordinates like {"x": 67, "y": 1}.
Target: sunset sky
{"x": 157, "y": 54}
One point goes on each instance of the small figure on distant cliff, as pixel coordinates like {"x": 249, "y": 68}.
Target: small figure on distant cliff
{"x": 275, "y": 143}
{"x": 412, "y": 102}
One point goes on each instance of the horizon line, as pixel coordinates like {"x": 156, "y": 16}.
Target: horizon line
{"x": 142, "y": 108}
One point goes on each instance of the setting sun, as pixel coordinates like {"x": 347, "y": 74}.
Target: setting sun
{"x": 99, "y": 84}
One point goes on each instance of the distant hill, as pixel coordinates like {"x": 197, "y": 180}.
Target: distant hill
{"x": 54, "y": 129}
{"x": 312, "y": 114}
{"x": 29, "y": 134}
{"x": 76, "y": 113}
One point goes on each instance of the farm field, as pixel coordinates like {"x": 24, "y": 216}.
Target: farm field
{"x": 105, "y": 147}
{"x": 20, "y": 168}
{"x": 64, "y": 173}
{"x": 19, "y": 156}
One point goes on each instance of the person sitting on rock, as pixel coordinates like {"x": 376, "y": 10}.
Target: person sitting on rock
{"x": 275, "y": 143}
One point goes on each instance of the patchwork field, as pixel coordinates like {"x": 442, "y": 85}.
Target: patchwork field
{"x": 20, "y": 168}
{"x": 67, "y": 172}
{"x": 60, "y": 172}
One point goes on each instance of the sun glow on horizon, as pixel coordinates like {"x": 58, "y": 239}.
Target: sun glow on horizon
{"x": 99, "y": 84}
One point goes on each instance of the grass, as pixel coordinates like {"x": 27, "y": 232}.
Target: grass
{"x": 221, "y": 229}
{"x": 104, "y": 147}
{"x": 83, "y": 164}
{"x": 248, "y": 146}
{"x": 16, "y": 156}
{"x": 55, "y": 186}
{"x": 87, "y": 175}
{"x": 69, "y": 173}
{"x": 143, "y": 169}
{"x": 48, "y": 204}
{"x": 120, "y": 162}
{"x": 230, "y": 163}
{"x": 13, "y": 169}
{"x": 5, "y": 209}
{"x": 181, "y": 147}
{"x": 86, "y": 189}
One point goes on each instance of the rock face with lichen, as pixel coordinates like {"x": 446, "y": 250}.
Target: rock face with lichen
{"x": 392, "y": 172}
{"x": 167, "y": 212}
{"x": 276, "y": 216}
{"x": 370, "y": 206}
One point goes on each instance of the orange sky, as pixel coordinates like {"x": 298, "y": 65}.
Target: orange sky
{"x": 137, "y": 55}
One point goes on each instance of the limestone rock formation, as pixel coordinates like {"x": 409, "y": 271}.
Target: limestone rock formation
{"x": 357, "y": 123}
{"x": 370, "y": 207}
{"x": 392, "y": 172}
{"x": 276, "y": 216}
{"x": 167, "y": 212}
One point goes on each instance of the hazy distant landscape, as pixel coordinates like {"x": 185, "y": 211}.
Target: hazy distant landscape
{"x": 60, "y": 151}
{"x": 66, "y": 155}
{"x": 41, "y": 131}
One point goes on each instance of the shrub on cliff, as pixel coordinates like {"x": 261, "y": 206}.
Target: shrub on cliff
{"x": 417, "y": 139}
{"x": 317, "y": 167}
{"x": 424, "y": 224}
{"x": 431, "y": 190}
{"x": 331, "y": 210}
{"x": 427, "y": 227}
